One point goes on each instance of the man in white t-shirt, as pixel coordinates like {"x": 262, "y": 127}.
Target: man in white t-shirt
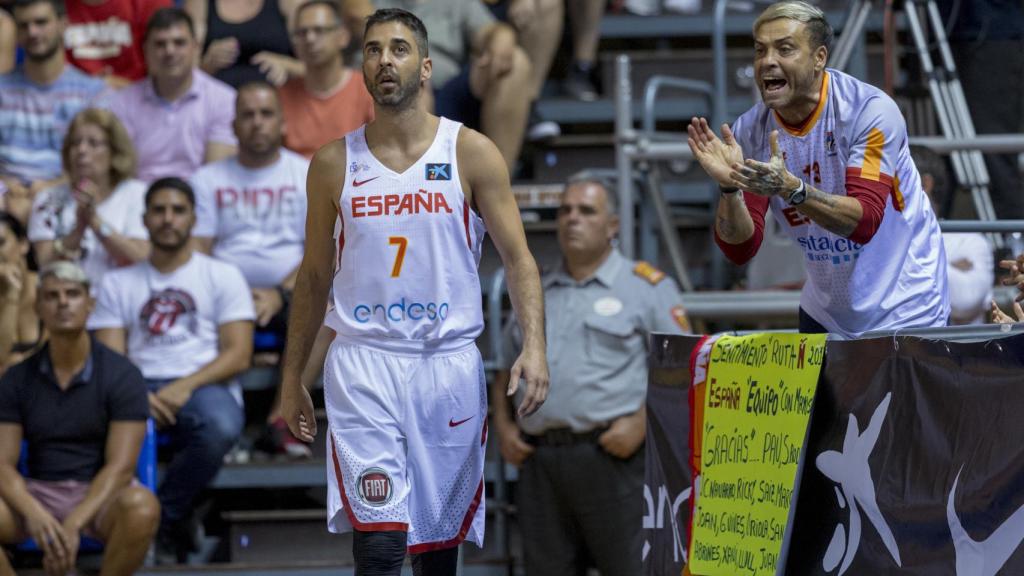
{"x": 251, "y": 212}
{"x": 829, "y": 154}
{"x": 185, "y": 320}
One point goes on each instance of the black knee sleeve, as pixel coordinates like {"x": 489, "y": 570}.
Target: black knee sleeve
{"x": 379, "y": 553}
{"x": 436, "y": 563}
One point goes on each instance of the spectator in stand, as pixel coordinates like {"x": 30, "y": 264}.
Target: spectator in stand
{"x": 331, "y": 99}
{"x": 538, "y": 24}
{"x": 1014, "y": 277}
{"x": 179, "y": 118}
{"x": 37, "y": 101}
{"x": 481, "y": 77}
{"x": 585, "y": 20}
{"x": 185, "y": 320}
{"x": 251, "y": 212}
{"x": 245, "y": 41}
{"x": 581, "y": 453}
{"x": 969, "y": 264}
{"x": 987, "y": 41}
{"x": 104, "y": 37}
{"x": 82, "y": 410}
{"x": 20, "y": 330}
{"x": 96, "y": 218}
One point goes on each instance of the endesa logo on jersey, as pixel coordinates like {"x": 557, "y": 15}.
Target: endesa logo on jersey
{"x": 827, "y": 248}
{"x": 419, "y": 202}
{"x": 401, "y": 311}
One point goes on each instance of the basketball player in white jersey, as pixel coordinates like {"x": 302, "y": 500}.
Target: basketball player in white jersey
{"x": 403, "y": 380}
{"x": 830, "y": 155}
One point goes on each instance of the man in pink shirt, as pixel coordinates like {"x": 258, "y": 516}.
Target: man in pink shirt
{"x": 179, "y": 118}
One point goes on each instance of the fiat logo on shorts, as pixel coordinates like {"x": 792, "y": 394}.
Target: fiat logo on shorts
{"x": 375, "y": 487}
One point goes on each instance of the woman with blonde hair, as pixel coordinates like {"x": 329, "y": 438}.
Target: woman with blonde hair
{"x": 96, "y": 218}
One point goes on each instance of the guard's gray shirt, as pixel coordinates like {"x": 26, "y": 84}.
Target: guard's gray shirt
{"x": 597, "y": 342}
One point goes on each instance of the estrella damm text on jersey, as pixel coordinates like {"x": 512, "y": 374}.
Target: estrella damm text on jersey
{"x": 408, "y": 251}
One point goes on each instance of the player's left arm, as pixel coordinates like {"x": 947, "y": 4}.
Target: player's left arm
{"x": 485, "y": 178}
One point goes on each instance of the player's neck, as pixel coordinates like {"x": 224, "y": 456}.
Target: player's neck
{"x": 404, "y": 128}
{"x": 803, "y": 106}
{"x": 167, "y": 261}
{"x": 583, "y": 265}
{"x": 45, "y": 72}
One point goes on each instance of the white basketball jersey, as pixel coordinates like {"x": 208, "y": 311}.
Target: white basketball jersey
{"x": 898, "y": 279}
{"x": 408, "y": 250}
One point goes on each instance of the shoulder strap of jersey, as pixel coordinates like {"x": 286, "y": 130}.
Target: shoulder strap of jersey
{"x": 648, "y": 272}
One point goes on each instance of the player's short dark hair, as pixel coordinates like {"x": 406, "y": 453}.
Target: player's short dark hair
{"x": 174, "y": 183}
{"x": 405, "y": 18}
{"x": 329, "y": 4}
{"x": 929, "y": 162}
{"x": 169, "y": 17}
{"x": 58, "y": 5}
{"x": 819, "y": 31}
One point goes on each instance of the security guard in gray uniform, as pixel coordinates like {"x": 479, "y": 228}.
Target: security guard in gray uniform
{"x": 580, "y": 495}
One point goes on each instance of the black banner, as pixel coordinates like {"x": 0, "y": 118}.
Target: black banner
{"x": 914, "y": 464}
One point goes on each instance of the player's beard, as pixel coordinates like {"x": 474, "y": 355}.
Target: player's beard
{"x": 403, "y": 97}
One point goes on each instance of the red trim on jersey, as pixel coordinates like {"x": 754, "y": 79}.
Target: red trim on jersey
{"x": 872, "y": 196}
{"x": 465, "y": 222}
{"x": 483, "y": 434}
{"x": 741, "y": 253}
{"x": 361, "y": 526}
{"x": 466, "y": 523}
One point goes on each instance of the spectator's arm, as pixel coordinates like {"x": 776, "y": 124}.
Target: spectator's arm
{"x": 124, "y": 440}
{"x": 218, "y": 151}
{"x": 197, "y": 10}
{"x": 12, "y": 484}
{"x": 7, "y": 43}
{"x": 113, "y": 338}
{"x": 123, "y": 249}
{"x": 10, "y": 306}
{"x": 235, "y": 355}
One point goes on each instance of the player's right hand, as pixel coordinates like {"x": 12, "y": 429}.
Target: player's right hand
{"x": 513, "y": 449}
{"x": 716, "y": 155}
{"x": 297, "y": 411}
{"x": 531, "y": 366}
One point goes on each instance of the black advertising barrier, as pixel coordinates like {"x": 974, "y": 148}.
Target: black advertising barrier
{"x": 914, "y": 463}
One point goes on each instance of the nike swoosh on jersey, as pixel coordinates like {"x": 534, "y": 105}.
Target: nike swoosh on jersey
{"x": 358, "y": 183}
{"x": 453, "y": 423}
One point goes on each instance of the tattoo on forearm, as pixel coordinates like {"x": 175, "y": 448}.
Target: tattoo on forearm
{"x": 826, "y": 211}
{"x": 726, "y": 230}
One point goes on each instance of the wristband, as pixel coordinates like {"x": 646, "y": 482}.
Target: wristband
{"x": 728, "y": 189}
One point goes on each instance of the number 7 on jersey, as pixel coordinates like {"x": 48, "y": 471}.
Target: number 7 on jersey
{"x": 401, "y": 242}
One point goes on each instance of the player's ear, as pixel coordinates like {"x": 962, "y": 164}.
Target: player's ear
{"x": 820, "y": 58}
{"x": 426, "y": 70}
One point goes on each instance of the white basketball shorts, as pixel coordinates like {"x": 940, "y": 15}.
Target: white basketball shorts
{"x": 406, "y": 443}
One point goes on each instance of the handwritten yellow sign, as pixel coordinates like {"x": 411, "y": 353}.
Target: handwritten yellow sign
{"x": 757, "y": 404}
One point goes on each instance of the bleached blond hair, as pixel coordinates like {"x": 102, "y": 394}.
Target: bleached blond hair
{"x": 818, "y": 29}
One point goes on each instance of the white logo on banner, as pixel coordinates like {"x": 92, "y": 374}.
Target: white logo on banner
{"x": 654, "y": 519}
{"x": 983, "y": 557}
{"x": 850, "y": 469}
